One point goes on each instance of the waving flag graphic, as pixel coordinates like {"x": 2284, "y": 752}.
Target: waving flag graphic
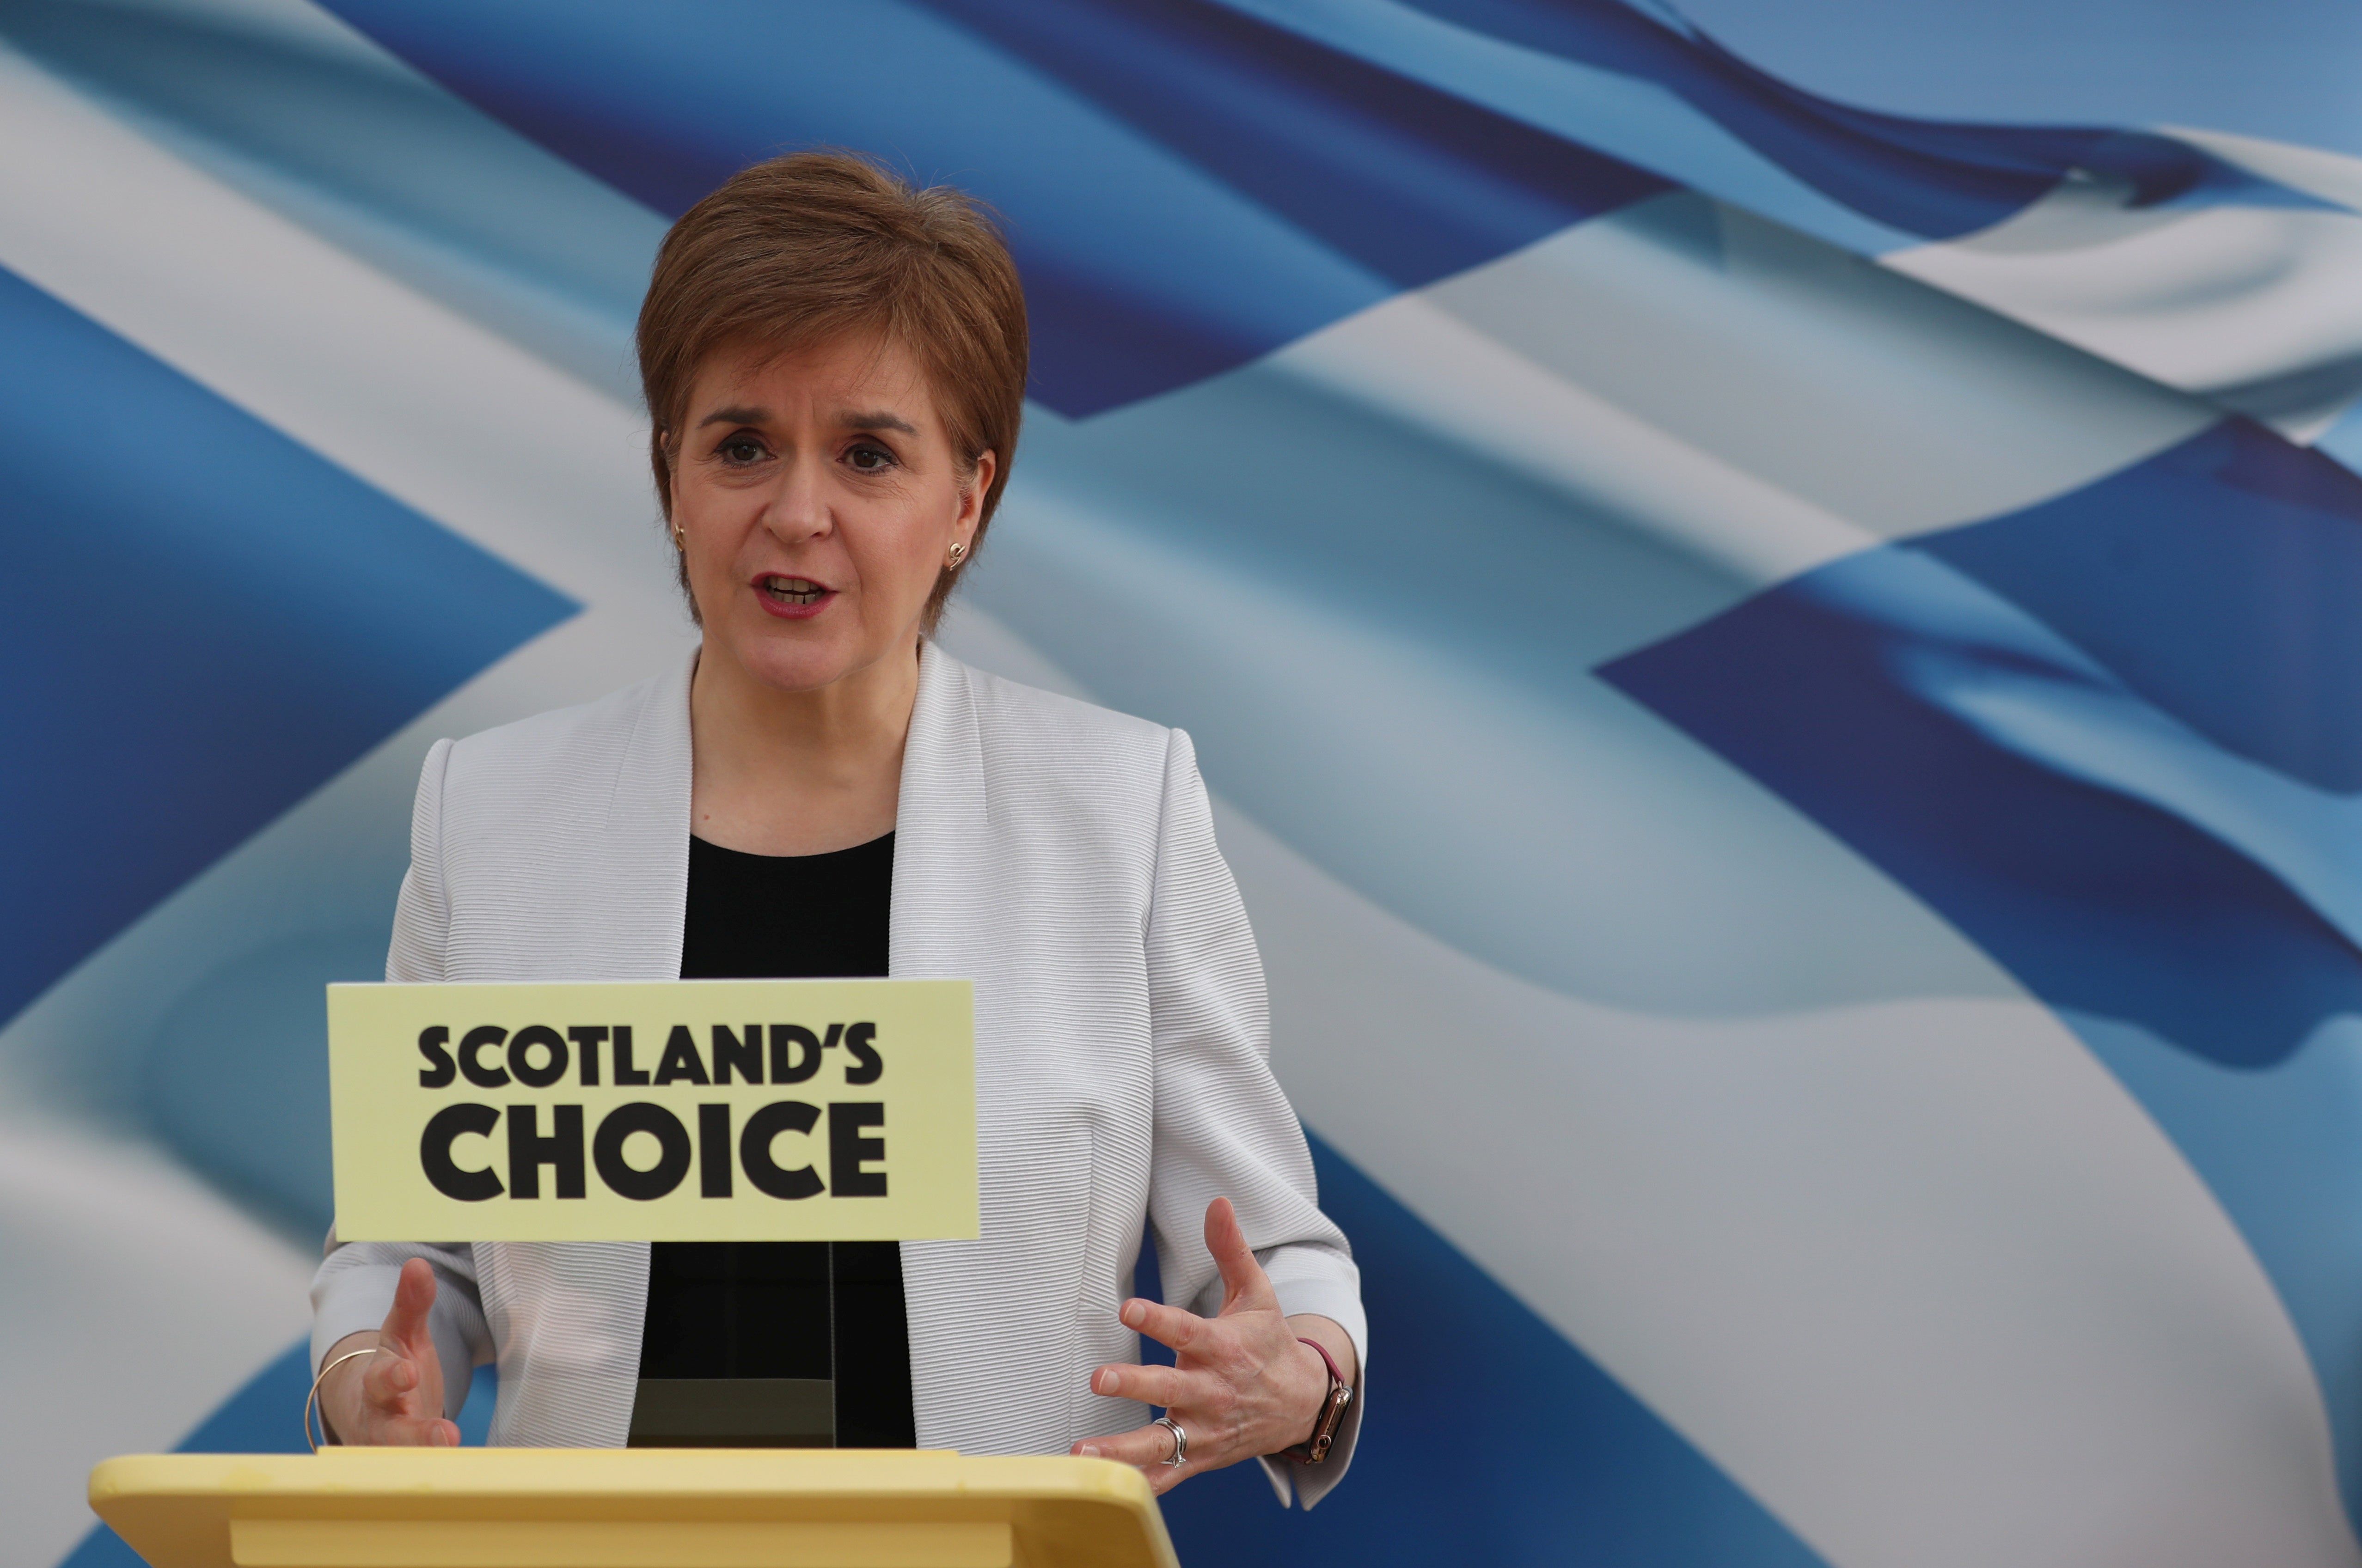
{"x": 1770, "y": 623}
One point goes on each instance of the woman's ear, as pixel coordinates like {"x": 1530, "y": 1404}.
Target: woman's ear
{"x": 979, "y": 485}
{"x": 660, "y": 465}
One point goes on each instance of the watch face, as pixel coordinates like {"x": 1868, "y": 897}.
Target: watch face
{"x": 1332, "y": 1414}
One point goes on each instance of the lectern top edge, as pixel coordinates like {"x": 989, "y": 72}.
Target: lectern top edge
{"x": 587, "y": 1471}
{"x": 712, "y": 1472}
{"x": 480, "y": 1508}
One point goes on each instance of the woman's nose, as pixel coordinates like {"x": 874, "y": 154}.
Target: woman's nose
{"x": 798, "y": 507}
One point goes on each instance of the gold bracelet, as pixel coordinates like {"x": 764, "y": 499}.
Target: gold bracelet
{"x": 311, "y": 1400}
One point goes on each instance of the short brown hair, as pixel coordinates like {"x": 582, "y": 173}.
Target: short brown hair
{"x": 816, "y": 246}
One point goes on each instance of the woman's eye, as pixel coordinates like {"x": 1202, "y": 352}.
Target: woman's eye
{"x": 870, "y": 460}
{"x": 740, "y": 450}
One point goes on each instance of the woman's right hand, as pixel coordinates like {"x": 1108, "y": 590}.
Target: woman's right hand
{"x": 393, "y": 1398}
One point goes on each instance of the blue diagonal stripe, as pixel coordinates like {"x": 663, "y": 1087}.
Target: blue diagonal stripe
{"x": 203, "y": 622}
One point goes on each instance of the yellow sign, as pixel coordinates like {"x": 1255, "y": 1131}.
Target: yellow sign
{"x": 684, "y": 1110}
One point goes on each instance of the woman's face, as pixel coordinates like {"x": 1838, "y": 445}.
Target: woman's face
{"x": 817, "y": 496}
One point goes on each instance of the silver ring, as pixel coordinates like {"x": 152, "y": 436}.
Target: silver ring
{"x": 1180, "y": 1441}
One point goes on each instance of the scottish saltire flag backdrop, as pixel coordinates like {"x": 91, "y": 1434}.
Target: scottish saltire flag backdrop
{"x": 1770, "y": 594}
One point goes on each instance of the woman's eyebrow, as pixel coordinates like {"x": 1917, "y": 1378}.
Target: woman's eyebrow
{"x": 736, "y": 414}
{"x": 876, "y": 419}
{"x": 879, "y": 419}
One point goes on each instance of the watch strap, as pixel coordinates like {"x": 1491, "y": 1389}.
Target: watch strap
{"x": 1315, "y": 1449}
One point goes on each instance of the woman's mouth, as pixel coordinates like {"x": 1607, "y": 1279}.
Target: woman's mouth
{"x": 793, "y": 590}
{"x": 793, "y": 597}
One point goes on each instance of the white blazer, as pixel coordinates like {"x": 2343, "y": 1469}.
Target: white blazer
{"x": 1059, "y": 855}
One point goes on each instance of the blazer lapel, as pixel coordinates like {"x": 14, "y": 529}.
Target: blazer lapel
{"x": 575, "y": 1311}
{"x": 942, "y": 911}
{"x": 643, "y": 869}
{"x": 940, "y": 844}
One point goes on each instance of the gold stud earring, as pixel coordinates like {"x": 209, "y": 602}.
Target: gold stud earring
{"x": 679, "y": 539}
{"x": 959, "y": 552}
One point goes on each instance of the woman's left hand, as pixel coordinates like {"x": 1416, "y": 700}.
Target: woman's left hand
{"x": 1242, "y": 1384}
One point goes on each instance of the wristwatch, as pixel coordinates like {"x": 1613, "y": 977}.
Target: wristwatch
{"x": 1315, "y": 1449}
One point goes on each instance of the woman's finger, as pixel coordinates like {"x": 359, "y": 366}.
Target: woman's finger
{"x": 405, "y": 1379}
{"x": 413, "y": 1301}
{"x": 1165, "y": 1386}
{"x": 437, "y": 1433}
{"x": 1168, "y": 1326}
{"x": 1245, "y": 1286}
{"x": 1149, "y": 1446}
{"x": 405, "y": 1432}
{"x": 387, "y": 1378}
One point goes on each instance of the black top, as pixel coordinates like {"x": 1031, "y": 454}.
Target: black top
{"x": 804, "y": 1311}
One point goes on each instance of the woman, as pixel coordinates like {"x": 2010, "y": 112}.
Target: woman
{"x": 834, "y": 366}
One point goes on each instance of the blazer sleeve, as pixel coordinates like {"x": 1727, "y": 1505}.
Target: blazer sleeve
{"x": 353, "y": 1287}
{"x": 1224, "y": 1126}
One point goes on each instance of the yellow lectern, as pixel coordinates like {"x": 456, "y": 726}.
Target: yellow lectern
{"x": 508, "y": 1508}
